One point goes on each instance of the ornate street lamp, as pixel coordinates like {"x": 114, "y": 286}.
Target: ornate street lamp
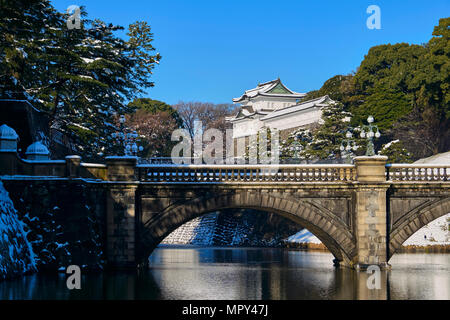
{"x": 347, "y": 145}
{"x": 368, "y": 133}
{"x": 127, "y": 138}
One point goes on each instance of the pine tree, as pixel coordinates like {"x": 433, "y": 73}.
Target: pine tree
{"x": 293, "y": 148}
{"x": 395, "y": 152}
{"x": 329, "y": 136}
{"x": 81, "y": 78}
{"x": 24, "y": 26}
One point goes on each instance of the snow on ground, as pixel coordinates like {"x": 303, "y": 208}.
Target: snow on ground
{"x": 435, "y": 233}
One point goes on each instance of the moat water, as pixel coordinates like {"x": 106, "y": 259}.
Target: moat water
{"x": 246, "y": 273}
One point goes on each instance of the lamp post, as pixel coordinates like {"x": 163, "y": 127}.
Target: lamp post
{"x": 368, "y": 133}
{"x": 127, "y": 138}
{"x": 350, "y": 145}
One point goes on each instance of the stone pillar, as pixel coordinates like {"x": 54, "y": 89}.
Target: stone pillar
{"x": 8, "y": 150}
{"x": 121, "y": 168}
{"x": 37, "y": 151}
{"x": 121, "y": 215}
{"x": 73, "y": 166}
{"x": 370, "y": 219}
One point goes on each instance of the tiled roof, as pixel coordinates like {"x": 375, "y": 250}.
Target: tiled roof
{"x": 264, "y": 89}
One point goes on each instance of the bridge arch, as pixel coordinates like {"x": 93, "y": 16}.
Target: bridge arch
{"x": 414, "y": 221}
{"x": 331, "y": 230}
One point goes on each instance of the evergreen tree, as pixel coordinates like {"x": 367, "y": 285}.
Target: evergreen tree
{"x": 433, "y": 86}
{"x": 406, "y": 88}
{"x": 81, "y": 78}
{"x": 24, "y": 34}
{"x": 384, "y": 81}
{"x": 395, "y": 152}
{"x": 337, "y": 88}
{"x": 328, "y": 137}
{"x": 295, "y": 145}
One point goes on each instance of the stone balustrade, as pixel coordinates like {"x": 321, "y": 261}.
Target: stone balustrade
{"x": 72, "y": 166}
{"x": 417, "y": 172}
{"x": 246, "y": 173}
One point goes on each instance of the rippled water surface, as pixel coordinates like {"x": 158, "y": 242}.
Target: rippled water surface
{"x": 246, "y": 273}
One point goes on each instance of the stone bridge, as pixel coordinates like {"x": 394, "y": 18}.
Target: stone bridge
{"x": 362, "y": 212}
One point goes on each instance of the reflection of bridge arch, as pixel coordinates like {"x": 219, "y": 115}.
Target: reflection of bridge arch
{"x": 416, "y": 219}
{"x": 329, "y": 228}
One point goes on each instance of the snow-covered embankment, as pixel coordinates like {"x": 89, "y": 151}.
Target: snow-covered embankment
{"x": 16, "y": 253}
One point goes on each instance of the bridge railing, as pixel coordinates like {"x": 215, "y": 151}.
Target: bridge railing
{"x": 233, "y": 161}
{"x": 246, "y": 173}
{"x": 418, "y": 172}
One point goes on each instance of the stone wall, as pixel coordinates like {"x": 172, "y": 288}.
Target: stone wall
{"x": 235, "y": 228}
{"x": 199, "y": 231}
{"x": 66, "y": 218}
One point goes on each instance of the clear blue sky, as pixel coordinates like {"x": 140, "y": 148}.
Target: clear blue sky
{"x": 214, "y": 50}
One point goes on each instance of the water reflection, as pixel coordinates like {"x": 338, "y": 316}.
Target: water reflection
{"x": 228, "y": 273}
{"x": 422, "y": 276}
{"x": 246, "y": 273}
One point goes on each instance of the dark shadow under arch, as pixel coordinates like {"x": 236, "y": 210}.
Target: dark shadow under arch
{"x": 414, "y": 221}
{"x": 332, "y": 231}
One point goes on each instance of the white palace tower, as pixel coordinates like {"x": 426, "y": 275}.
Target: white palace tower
{"x": 273, "y": 105}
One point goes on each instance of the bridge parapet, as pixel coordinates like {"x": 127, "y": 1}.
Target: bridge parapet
{"x": 246, "y": 173}
{"x": 72, "y": 167}
{"x": 417, "y": 172}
